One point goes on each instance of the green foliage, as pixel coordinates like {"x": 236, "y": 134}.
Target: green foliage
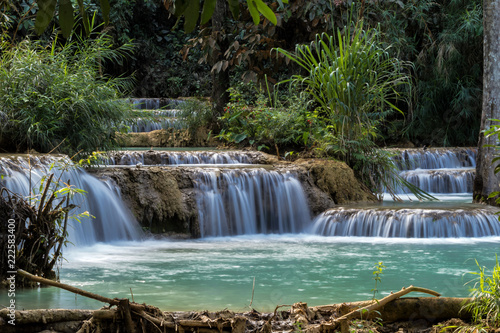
{"x": 444, "y": 41}
{"x": 190, "y": 10}
{"x": 251, "y": 117}
{"x": 379, "y": 267}
{"x": 160, "y": 68}
{"x": 354, "y": 81}
{"x": 195, "y": 114}
{"x": 55, "y": 97}
{"x": 485, "y": 294}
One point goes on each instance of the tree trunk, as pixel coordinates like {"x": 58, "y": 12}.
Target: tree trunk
{"x": 486, "y": 181}
{"x": 220, "y": 78}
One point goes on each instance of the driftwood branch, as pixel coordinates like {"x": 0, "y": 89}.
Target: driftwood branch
{"x": 113, "y": 301}
{"x": 375, "y": 305}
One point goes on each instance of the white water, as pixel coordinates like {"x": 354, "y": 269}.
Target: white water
{"x": 113, "y": 220}
{"x": 408, "y": 222}
{"x": 438, "y": 158}
{"x": 176, "y": 157}
{"x": 163, "y": 118}
{"x": 245, "y": 202}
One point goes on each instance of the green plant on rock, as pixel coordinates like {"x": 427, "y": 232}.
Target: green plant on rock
{"x": 55, "y": 97}
{"x": 195, "y": 114}
{"x": 353, "y": 79}
{"x": 268, "y": 121}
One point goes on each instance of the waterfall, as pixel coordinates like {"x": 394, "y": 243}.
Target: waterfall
{"x": 440, "y": 180}
{"x": 162, "y": 117}
{"x": 176, "y": 157}
{"x": 237, "y": 202}
{"x": 113, "y": 220}
{"x": 407, "y": 223}
{"x": 410, "y": 159}
{"x": 438, "y": 170}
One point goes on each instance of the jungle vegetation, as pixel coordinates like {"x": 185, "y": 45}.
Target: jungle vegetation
{"x": 423, "y": 67}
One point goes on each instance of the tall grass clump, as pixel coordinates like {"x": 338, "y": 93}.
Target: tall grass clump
{"x": 355, "y": 84}
{"x": 55, "y": 96}
{"x": 485, "y": 303}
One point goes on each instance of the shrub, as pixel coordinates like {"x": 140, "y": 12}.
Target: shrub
{"x": 55, "y": 97}
{"x": 286, "y": 123}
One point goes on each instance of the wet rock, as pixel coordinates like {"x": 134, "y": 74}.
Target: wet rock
{"x": 337, "y": 180}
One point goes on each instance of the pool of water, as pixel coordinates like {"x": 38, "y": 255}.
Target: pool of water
{"x": 218, "y": 273}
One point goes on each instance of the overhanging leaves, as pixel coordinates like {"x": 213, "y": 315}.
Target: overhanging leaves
{"x": 66, "y": 19}
{"x": 105, "y": 10}
{"x": 191, "y": 15}
{"x": 45, "y": 13}
{"x": 208, "y": 10}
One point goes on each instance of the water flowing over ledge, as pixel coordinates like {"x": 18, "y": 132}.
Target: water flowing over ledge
{"x": 435, "y": 158}
{"x": 178, "y": 157}
{"x": 249, "y": 202}
{"x": 407, "y": 223}
{"x": 113, "y": 220}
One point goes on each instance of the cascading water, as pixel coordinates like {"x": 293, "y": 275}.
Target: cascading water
{"x": 440, "y": 180}
{"x": 238, "y": 202}
{"x": 113, "y": 220}
{"x": 407, "y": 223}
{"x": 176, "y": 157}
{"x": 160, "y": 118}
{"x": 440, "y": 158}
{"x": 437, "y": 171}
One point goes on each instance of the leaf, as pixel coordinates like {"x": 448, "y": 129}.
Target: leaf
{"x": 239, "y": 137}
{"x": 85, "y": 18}
{"x": 46, "y": 9}
{"x": 180, "y": 7}
{"x": 66, "y": 18}
{"x": 208, "y": 10}
{"x": 191, "y": 15}
{"x": 266, "y": 11}
{"x": 252, "y": 7}
{"x": 105, "y": 10}
{"x": 234, "y": 7}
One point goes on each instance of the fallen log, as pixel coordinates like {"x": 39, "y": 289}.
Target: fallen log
{"x": 376, "y": 305}
{"x": 45, "y": 316}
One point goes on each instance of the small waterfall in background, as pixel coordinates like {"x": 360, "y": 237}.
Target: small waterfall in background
{"x": 175, "y": 157}
{"x": 113, "y": 220}
{"x": 438, "y": 171}
{"x": 242, "y": 202}
{"x": 407, "y": 223}
{"x": 162, "y": 115}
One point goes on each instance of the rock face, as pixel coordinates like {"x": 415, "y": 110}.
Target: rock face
{"x": 163, "y": 199}
{"x": 335, "y": 179}
{"x": 168, "y": 138}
